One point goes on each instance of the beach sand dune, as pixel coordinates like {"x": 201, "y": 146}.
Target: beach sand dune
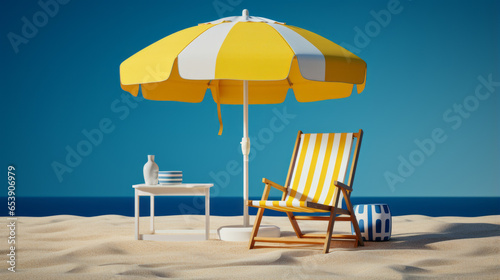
{"x": 103, "y": 247}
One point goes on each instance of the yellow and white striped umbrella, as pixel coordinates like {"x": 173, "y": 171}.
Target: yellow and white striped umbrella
{"x": 221, "y": 54}
{"x": 243, "y": 60}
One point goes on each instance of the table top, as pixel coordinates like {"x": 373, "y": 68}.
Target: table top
{"x": 174, "y": 186}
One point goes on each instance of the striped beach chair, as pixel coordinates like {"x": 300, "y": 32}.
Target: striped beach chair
{"x": 314, "y": 184}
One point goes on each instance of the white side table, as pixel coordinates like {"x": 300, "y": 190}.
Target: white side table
{"x": 171, "y": 190}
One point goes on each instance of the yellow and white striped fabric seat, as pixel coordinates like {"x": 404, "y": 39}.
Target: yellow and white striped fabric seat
{"x": 321, "y": 160}
{"x": 289, "y": 205}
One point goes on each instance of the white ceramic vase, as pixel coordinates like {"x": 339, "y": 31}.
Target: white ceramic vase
{"x": 151, "y": 171}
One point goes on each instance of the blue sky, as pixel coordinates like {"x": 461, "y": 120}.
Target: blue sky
{"x": 433, "y": 73}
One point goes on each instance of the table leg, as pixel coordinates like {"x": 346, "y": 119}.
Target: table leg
{"x": 207, "y": 213}
{"x": 152, "y": 215}
{"x": 136, "y": 204}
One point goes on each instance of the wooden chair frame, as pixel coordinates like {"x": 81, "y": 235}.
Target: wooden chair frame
{"x": 345, "y": 215}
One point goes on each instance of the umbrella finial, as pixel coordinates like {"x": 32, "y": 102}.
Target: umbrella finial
{"x": 245, "y": 17}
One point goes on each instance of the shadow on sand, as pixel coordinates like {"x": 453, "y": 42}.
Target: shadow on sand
{"x": 455, "y": 231}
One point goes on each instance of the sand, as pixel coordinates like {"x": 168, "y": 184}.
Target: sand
{"x": 103, "y": 247}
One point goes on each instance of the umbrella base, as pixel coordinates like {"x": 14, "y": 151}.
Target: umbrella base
{"x": 241, "y": 233}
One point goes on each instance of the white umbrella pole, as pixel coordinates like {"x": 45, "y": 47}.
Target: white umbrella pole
{"x": 242, "y": 233}
{"x": 245, "y": 148}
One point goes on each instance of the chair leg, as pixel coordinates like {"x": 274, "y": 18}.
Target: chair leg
{"x": 354, "y": 221}
{"x": 329, "y": 232}
{"x": 295, "y": 225}
{"x": 255, "y": 229}
{"x": 331, "y": 222}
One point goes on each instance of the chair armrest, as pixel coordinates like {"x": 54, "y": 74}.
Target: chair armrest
{"x": 274, "y": 185}
{"x": 342, "y": 185}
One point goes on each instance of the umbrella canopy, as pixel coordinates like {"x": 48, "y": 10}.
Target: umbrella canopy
{"x": 263, "y": 57}
{"x": 220, "y": 54}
